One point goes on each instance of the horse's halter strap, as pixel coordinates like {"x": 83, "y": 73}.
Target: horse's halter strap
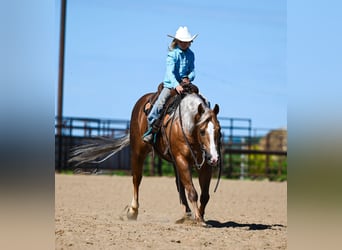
{"x": 187, "y": 142}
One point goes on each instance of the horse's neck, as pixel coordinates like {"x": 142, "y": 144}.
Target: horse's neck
{"x": 188, "y": 109}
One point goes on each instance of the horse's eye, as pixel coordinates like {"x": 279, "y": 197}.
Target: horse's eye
{"x": 202, "y": 132}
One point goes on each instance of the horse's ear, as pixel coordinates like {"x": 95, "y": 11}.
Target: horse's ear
{"x": 200, "y": 109}
{"x": 216, "y": 109}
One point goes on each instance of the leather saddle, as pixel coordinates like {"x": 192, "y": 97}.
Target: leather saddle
{"x": 170, "y": 105}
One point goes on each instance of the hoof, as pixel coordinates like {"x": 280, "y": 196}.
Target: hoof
{"x": 129, "y": 213}
{"x": 132, "y": 213}
{"x": 187, "y": 218}
{"x": 205, "y": 225}
{"x": 200, "y": 222}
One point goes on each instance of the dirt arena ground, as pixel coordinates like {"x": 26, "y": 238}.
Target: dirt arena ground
{"x": 243, "y": 215}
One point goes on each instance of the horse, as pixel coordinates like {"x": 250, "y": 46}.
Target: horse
{"x": 189, "y": 138}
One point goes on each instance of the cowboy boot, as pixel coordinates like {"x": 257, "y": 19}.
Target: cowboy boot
{"x": 147, "y": 137}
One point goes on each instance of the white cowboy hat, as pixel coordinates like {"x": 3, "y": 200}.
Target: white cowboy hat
{"x": 183, "y": 35}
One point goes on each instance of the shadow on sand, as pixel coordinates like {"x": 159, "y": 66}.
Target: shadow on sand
{"x": 252, "y": 226}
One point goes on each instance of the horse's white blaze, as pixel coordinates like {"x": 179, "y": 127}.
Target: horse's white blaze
{"x": 213, "y": 151}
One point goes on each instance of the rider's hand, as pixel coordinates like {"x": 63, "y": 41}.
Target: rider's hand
{"x": 185, "y": 80}
{"x": 179, "y": 89}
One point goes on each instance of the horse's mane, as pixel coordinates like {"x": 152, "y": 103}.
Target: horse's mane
{"x": 189, "y": 108}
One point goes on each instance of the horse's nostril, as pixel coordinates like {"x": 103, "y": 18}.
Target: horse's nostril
{"x": 213, "y": 161}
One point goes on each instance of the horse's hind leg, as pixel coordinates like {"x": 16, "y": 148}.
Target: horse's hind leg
{"x": 204, "y": 181}
{"x": 137, "y": 161}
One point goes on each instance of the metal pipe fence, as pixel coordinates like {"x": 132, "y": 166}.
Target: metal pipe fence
{"x": 244, "y": 155}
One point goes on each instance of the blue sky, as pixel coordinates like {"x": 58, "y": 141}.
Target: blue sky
{"x": 116, "y": 51}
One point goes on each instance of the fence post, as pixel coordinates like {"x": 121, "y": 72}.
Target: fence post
{"x": 59, "y": 159}
{"x": 151, "y": 164}
{"x": 160, "y": 166}
{"x": 230, "y": 165}
{"x": 242, "y": 161}
{"x": 267, "y": 167}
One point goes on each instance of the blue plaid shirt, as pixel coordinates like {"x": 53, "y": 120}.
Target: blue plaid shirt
{"x": 179, "y": 64}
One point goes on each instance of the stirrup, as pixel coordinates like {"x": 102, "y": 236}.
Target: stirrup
{"x": 149, "y": 131}
{"x": 148, "y": 136}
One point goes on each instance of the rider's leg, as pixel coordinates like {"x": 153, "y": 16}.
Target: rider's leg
{"x": 155, "y": 112}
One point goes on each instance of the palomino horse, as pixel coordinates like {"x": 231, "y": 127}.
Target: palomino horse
{"x": 190, "y": 137}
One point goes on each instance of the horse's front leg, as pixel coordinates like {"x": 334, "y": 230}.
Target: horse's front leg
{"x": 186, "y": 178}
{"x": 204, "y": 180}
{"x": 183, "y": 200}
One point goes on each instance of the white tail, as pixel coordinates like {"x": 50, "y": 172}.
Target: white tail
{"x": 99, "y": 150}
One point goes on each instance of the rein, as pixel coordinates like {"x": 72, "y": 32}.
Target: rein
{"x": 220, "y": 165}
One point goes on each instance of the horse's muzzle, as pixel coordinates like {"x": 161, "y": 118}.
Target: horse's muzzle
{"x": 212, "y": 161}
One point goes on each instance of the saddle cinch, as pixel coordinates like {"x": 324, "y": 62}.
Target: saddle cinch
{"x": 170, "y": 105}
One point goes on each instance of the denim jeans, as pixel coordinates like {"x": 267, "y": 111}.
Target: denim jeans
{"x": 158, "y": 106}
